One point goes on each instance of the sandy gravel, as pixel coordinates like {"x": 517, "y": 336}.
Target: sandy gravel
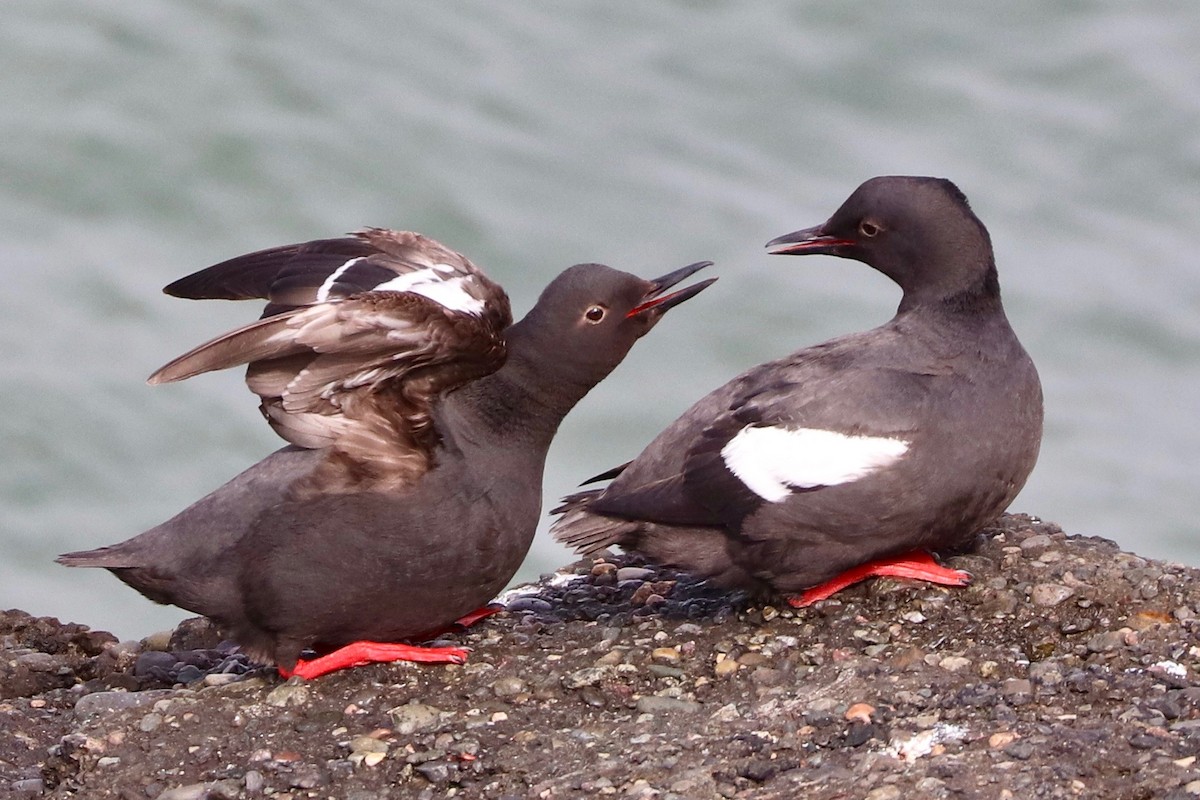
{"x": 1068, "y": 669}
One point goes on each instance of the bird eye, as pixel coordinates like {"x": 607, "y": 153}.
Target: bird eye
{"x": 868, "y": 228}
{"x": 595, "y": 313}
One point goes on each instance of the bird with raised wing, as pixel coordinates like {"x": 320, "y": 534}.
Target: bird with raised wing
{"x": 418, "y": 419}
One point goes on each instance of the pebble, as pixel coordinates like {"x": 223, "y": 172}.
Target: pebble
{"x": 588, "y": 676}
{"x": 1021, "y": 750}
{"x": 654, "y": 704}
{"x": 726, "y": 713}
{"x": 1036, "y": 541}
{"x": 434, "y": 771}
{"x": 202, "y": 791}
{"x": 1048, "y": 595}
{"x": 161, "y": 640}
{"x": 254, "y": 781}
{"x": 667, "y": 654}
{"x": 954, "y": 663}
{"x": 633, "y": 574}
{"x": 1105, "y": 642}
{"x": 859, "y": 712}
{"x": 508, "y": 686}
{"x": 37, "y": 662}
{"x": 288, "y": 694}
{"x": 1017, "y": 690}
{"x": 150, "y": 722}
{"x": 107, "y": 702}
{"x": 415, "y": 718}
{"x": 220, "y": 678}
{"x": 726, "y": 667}
{"x": 888, "y": 792}
{"x": 1002, "y": 739}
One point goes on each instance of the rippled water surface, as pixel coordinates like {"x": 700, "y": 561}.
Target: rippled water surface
{"x": 143, "y": 140}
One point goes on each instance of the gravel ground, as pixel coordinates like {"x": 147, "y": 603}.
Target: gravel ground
{"x": 1068, "y": 669}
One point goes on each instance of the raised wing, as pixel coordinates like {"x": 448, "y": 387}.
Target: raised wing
{"x": 361, "y": 336}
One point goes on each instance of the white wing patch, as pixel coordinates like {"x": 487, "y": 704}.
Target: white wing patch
{"x": 327, "y": 286}
{"x": 432, "y": 283}
{"x": 772, "y": 461}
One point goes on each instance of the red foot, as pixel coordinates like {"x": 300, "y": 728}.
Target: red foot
{"x": 918, "y": 565}
{"x": 468, "y": 620}
{"x": 358, "y": 653}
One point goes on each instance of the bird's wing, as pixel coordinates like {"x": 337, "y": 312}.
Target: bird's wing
{"x": 815, "y": 419}
{"x": 363, "y": 335}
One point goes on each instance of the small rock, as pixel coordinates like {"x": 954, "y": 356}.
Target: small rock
{"x": 308, "y": 776}
{"x": 157, "y": 641}
{"x": 107, "y": 702}
{"x": 288, "y": 694}
{"x": 1106, "y": 642}
{"x": 653, "y": 704}
{"x": 254, "y": 781}
{"x": 860, "y": 712}
{"x": 666, "y": 654}
{"x": 415, "y": 718}
{"x": 220, "y": 678}
{"x": 633, "y": 574}
{"x": 1047, "y": 595}
{"x": 954, "y": 663}
{"x": 1017, "y": 690}
{"x": 150, "y": 722}
{"x": 888, "y": 792}
{"x": 588, "y": 676}
{"x": 1002, "y": 739}
{"x": 1021, "y": 750}
{"x": 726, "y": 713}
{"x": 508, "y": 686}
{"x": 726, "y": 667}
{"x": 435, "y": 771}
{"x": 37, "y": 662}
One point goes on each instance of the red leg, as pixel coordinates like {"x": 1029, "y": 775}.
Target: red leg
{"x": 358, "y": 653}
{"x": 918, "y": 565}
{"x": 468, "y": 620}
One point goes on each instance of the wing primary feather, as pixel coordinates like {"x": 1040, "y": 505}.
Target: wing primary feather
{"x": 264, "y": 339}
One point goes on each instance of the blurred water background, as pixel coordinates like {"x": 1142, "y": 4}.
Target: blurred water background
{"x": 143, "y": 140}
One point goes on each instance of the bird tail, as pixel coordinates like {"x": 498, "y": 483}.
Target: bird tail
{"x": 578, "y": 528}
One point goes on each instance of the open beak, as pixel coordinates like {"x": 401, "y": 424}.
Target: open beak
{"x": 658, "y": 302}
{"x": 810, "y": 241}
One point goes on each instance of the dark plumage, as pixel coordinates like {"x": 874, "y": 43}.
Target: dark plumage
{"x": 419, "y": 422}
{"x": 909, "y": 436}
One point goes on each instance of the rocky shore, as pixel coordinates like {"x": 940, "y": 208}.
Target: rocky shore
{"x": 1067, "y": 669}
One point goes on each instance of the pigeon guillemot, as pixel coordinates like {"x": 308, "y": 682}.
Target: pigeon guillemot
{"x": 419, "y": 421}
{"x": 857, "y": 456}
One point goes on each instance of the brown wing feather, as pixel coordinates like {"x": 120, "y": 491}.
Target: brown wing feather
{"x": 356, "y": 374}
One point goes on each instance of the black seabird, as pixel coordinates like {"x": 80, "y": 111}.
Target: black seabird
{"x": 419, "y": 420}
{"x": 856, "y": 456}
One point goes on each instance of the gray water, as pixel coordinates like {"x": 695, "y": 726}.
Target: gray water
{"x": 140, "y": 141}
